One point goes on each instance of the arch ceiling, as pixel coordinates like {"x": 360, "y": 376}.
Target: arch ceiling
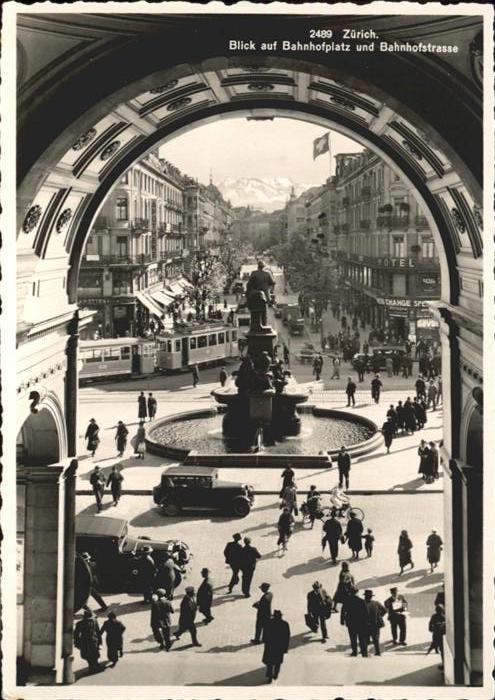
{"x": 109, "y": 112}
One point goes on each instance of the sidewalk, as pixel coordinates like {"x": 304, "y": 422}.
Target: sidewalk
{"x": 371, "y": 473}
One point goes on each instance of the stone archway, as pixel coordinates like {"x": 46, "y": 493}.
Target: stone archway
{"x": 100, "y": 116}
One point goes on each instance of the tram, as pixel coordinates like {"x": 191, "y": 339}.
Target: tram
{"x": 115, "y": 357}
{"x": 202, "y": 345}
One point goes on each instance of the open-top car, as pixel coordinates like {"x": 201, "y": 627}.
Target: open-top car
{"x": 199, "y": 488}
{"x": 115, "y": 552}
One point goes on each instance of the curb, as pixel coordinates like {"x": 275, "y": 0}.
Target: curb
{"x": 358, "y": 492}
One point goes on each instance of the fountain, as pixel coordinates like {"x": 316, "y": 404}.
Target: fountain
{"x": 261, "y": 411}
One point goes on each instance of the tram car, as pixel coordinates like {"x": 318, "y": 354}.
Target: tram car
{"x": 115, "y": 358}
{"x": 202, "y": 345}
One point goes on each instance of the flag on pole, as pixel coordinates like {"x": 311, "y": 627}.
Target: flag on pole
{"x": 321, "y": 145}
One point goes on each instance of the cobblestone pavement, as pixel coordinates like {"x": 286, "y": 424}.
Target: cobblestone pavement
{"x": 227, "y": 656}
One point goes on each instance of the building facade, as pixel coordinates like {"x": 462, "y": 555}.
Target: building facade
{"x": 134, "y": 250}
{"x": 388, "y": 264}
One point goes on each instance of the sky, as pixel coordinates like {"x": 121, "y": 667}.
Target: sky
{"x": 234, "y": 148}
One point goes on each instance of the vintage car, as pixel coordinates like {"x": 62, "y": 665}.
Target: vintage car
{"x": 199, "y": 488}
{"x": 381, "y": 352}
{"x": 115, "y": 552}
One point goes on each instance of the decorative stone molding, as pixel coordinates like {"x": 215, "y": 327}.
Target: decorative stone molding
{"x": 477, "y": 214}
{"x": 84, "y": 140}
{"x": 178, "y": 104}
{"x": 163, "y": 88}
{"x": 476, "y": 56}
{"x": 256, "y": 69}
{"x": 261, "y": 87}
{"x": 63, "y": 220}
{"x": 458, "y": 220}
{"x": 109, "y": 150}
{"x": 412, "y": 149}
{"x": 32, "y": 218}
{"x": 472, "y": 371}
{"x": 346, "y": 104}
{"x": 37, "y": 380}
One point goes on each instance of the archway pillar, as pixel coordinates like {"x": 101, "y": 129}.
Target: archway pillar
{"x": 463, "y": 516}
{"x": 48, "y": 588}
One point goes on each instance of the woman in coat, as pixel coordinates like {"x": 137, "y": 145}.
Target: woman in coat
{"x": 354, "y": 535}
{"x": 87, "y": 638}
{"x": 404, "y": 551}
{"x": 138, "y": 441}
{"x": 400, "y": 417}
{"x": 165, "y": 577}
{"x": 92, "y": 436}
{"x": 388, "y": 434}
{"x": 345, "y": 586}
{"x": 285, "y": 526}
{"x": 422, "y": 454}
{"x": 437, "y": 628}
{"x": 142, "y": 410}
{"x": 114, "y": 630}
{"x": 115, "y": 480}
{"x": 276, "y": 638}
{"x": 434, "y": 546}
{"x": 410, "y": 424}
{"x": 289, "y": 498}
{"x": 121, "y": 437}
{"x": 288, "y": 478}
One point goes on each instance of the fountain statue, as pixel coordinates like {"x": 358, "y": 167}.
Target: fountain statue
{"x": 267, "y": 396}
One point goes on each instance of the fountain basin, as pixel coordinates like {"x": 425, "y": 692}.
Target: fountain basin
{"x": 196, "y": 438}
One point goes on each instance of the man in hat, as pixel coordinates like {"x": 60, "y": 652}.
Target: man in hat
{"x": 396, "y": 607}
{"x": 187, "y": 615}
{"x": 263, "y": 612}
{"x": 319, "y": 608}
{"x": 97, "y": 481}
{"x": 161, "y": 620}
{"x": 93, "y": 591}
{"x": 87, "y": 638}
{"x": 233, "y": 558}
{"x": 205, "y": 596}
{"x": 355, "y": 616}
{"x": 144, "y": 569}
{"x": 376, "y": 611}
{"x": 249, "y": 557}
{"x": 344, "y": 465}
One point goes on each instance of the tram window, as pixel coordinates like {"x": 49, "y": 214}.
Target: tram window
{"x": 227, "y": 333}
{"x": 177, "y": 346}
{"x": 212, "y": 339}
{"x": 113, "y": 354}
{"x": 221, "y": 338}
{"x": 192, "y": 343}
{"x": 94, "y": 355}
{"x": 202, "y": 341}
{"x": 169, "y": 346}
{"x": 234, "y": 335}
{"x": 125, "y": 352}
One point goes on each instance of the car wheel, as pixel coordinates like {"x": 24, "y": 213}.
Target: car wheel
{"x": 170, "y": 508}
{"x": 240, "y": 507}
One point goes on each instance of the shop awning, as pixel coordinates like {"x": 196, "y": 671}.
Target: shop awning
{"x": 176, "y": 289}
{"x": 150, "y": 304}
{"x": 162, "y": 297}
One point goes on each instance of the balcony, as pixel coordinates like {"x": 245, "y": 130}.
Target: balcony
{"x": 110, "y": 260}
{"x": 140, "y": 224}
{"x": 398, "y": 222}
{"x": 366, "y": 193}
{"x": 365, "y": 224}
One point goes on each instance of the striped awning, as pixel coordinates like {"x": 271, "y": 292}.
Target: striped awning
{"x": 150, "y": 304}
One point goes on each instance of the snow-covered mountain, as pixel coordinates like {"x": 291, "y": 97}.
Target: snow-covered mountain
{"x": 267, "y": 194}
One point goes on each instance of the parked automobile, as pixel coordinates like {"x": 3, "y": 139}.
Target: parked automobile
{"x": 382, "y": 352}
{"x": 114, "y": 551}
{"x": 199, "y": 488}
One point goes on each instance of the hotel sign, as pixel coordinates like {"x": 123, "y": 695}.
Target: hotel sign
{"x": 395, "y": 262}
